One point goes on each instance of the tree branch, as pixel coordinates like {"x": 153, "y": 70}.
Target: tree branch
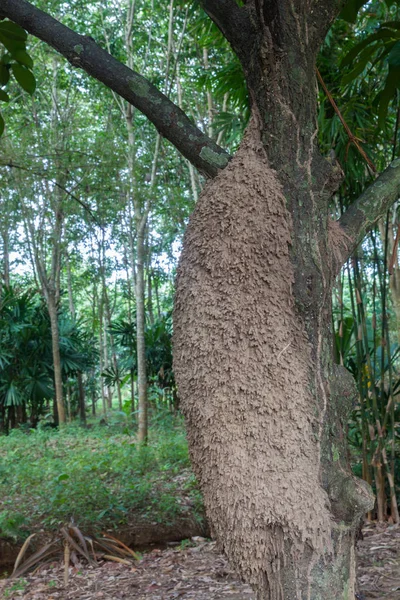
{"x": 366, "y": 211}
{"x": 83, "y": 52}
{"x": 233, "y": 22}
{"x": 322, "y": 13}
{"x": 11, "y": 165}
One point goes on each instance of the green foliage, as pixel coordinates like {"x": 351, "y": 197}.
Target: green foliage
{"x": 350, "y": 10}
{"x": 15, "y": 60}
{"x": 11, "y": 522}
{"x": 158, "y": 341}
{"x": 363, "y": 344}
{"x": 17, "y": 588}
{"x": 97, "y": 477}
{"x": 26, "y": 361}
{"x": 381, "y": 50}
{"x": 354, "y": 66}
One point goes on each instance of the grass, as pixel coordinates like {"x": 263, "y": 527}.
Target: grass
{"x": 98, "y": 477}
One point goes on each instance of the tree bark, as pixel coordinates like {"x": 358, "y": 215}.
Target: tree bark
{"x": 79, "y": 376}
{"x": 6, "y": 258}
{"x": 101, "y": 353}
{"x": 140, "y": 331}
{"x": 81, "y": 398}
{"x": 55, "y": 341}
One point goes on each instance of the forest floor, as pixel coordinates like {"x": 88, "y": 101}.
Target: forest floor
{"x": 195, "y": 571}
{"x": 379, "y": 563}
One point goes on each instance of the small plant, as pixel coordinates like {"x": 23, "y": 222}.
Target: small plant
{"x": 11, "y": 524}
{"x": 97, "y": 477}
{"x": 186, "y": 544}
{"x": 18, "y": 586}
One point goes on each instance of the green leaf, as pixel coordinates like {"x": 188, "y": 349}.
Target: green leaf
{"x": 382, "y": 34}
{"x": 365, "y": 58}
{"x": 23, "y": 57}
{"x": 4, "y": 74}
{"x": 6, "y": 59}
{"x": 13, "y": 31}
{"x": 391, "y": 85}
{"x": 1, "y": 125}
{"x": 394, "y": 56}
{"x": 4, "y": 97}
{"x": 13, "y": 46}
{"x": 391, "y": 24}
{"x": 24, "y": 77}
{"x": 350, "y": 10}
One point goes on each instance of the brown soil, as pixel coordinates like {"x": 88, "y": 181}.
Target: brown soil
{"x": 139, "y": 534}
{"x": 197, "y": 572}
{"x": 379, "y": 563}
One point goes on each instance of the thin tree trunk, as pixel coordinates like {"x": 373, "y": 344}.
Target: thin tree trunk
{"x": 101, "y": 354}
{"x": 79, "y": 376}
{"x": 149, "y": 291}
{"x": 141, "y": 344}
{"x": 69, "y": 393}
{"x": 133, "y": 407}
{"x": 210, "y": 103}
{"x": 6, "y": 258}
{"x": 69, "y": 285}
{"x": 112, "y": 344}
{"x": 157, "y": 297}
{"x": 55, "y": 339}
{"x": 81, "y": 399}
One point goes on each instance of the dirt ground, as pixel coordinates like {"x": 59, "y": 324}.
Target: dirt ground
{"x": 378, "y": 571}
{"x": 195, "y": 572}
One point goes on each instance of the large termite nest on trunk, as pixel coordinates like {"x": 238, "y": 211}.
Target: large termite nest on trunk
{"x": 242, "y": 363}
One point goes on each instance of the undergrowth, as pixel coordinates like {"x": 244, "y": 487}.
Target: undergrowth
{"x": 98, "y": 477}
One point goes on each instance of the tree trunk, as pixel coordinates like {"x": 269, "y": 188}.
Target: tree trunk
{"x": 6, "y": 258}
{"x": 149, "y": 291}
{"x": 133, "y": 407}
{"x": 101, "y": 354}
{"x": 55, "y": 341}
{"x": 112, "y": 344}
{"x": 106, "y": 362}
{"x": 81, "y": 399}
{"x": 394, "y": 273}
{"x": 69, "y": 285}
{"x": 140, "y": 339}
{"x": 265, "y": 405}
